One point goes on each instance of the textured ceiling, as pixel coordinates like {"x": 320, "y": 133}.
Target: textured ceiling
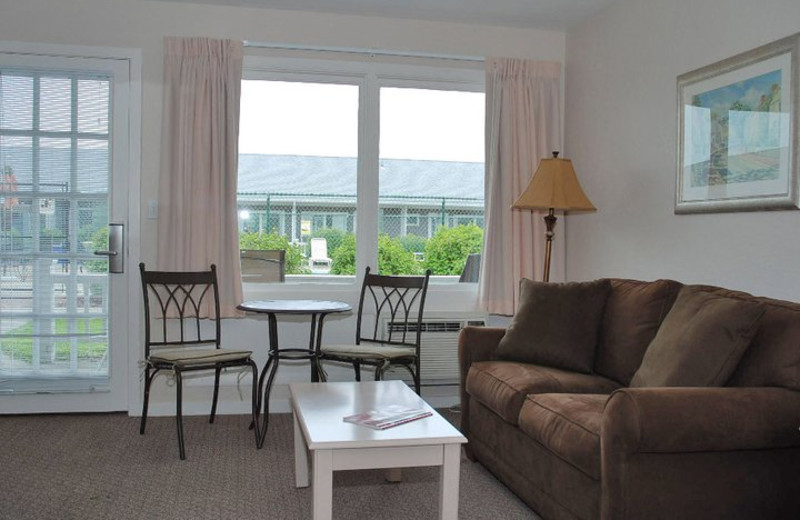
{"x": 539, "y": 14}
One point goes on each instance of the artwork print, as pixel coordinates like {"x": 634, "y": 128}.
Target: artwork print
{"x": 739, "y": 135}
{"x": 737, "y": 143}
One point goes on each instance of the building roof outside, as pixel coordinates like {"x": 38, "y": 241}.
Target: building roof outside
{"x": 336, "y": 176}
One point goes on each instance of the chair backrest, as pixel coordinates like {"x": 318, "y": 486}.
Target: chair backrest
{"x": 176, "y": 305}
{"x": 472, "y": 269}
{"x": 267, "y": 265}
{"x": 398, "y": 303}
{"x": 319, "y": 248}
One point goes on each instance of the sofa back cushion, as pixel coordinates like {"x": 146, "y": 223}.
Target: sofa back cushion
{"x": 556, "y": 324}
{"x": 773, "y": 358}
{"x": 701, "y": 340}
{"x": 633, "y": 313}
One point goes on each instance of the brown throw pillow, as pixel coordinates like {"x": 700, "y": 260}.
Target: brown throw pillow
{"x": 700, "y": 342}
{"x": 556, "y": 324}
{"x": 634, "y": 312}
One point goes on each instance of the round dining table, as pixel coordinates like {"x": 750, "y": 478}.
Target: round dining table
{"x": 317, "y": 310}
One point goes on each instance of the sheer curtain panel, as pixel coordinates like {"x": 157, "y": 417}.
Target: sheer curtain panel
{"x": 522, "y": 127}
{"x": 197, "y": 195}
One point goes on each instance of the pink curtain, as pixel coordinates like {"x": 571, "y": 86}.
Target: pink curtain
{"x": 197, "y": 192}
{"x": 522, "y": 127}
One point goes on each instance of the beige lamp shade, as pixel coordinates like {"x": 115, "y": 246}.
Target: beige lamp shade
{"x": 554, "y": 186}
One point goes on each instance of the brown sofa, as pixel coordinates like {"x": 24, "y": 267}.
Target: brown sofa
{"x": 689, "y": 406}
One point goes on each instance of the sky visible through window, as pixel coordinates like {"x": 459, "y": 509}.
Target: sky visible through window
{"x": 322, "y": 120}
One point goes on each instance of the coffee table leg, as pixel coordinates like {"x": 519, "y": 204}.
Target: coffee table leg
{"x": 300, "y": 455}
{"x": 394, "y": 475}
{"x": 448, "y": 487}
{"x": 322, "y": 488}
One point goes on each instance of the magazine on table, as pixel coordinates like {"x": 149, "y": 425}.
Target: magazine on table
{"x": 388, "y": 416}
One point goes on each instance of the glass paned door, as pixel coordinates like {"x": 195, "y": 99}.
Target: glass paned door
{"x": 57, "y": 164}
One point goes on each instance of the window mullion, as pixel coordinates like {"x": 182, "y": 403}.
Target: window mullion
{"x": 368, "y": 169}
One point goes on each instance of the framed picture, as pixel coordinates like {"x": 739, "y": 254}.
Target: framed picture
{"x": 738, "y": 138}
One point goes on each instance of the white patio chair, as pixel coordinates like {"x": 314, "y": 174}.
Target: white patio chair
{"x": 319, "y": 255}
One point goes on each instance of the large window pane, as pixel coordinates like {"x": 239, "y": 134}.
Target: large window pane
{"x": 16, "y": 108}
{"x": 298, "y": 144}
{"x": 431, "y": 181}
{"x": 54, "y": 169}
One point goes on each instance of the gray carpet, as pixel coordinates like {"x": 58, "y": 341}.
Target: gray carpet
{"x": 98, "y": 466}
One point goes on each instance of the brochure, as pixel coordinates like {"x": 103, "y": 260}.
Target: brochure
{"x": 388, "y": 416}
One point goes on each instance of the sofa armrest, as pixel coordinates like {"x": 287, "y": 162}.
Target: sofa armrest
{"x": 668, "y": 420}
{"x": 700, "y": 453}
{"x": 474, "y": 344}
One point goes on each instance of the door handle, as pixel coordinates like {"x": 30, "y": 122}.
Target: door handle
{"x": 116, "y": 244}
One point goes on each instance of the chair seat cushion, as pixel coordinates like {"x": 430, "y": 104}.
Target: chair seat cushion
{"x": 369, "y": 351}
{"x": 568, "y": 425}
{"x": 189, "y": 357}
{"x": 502, "y": 386}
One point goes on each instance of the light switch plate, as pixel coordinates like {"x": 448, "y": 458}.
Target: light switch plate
{"x": 152, "y": 209}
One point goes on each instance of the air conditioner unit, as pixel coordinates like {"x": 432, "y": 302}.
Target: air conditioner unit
{"x": 438, "y": 347}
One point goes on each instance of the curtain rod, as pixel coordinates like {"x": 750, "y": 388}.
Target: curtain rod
{"x": 358, "y": 50}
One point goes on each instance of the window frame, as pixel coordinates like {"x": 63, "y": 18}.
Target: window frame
{"x": 369, "y": 76}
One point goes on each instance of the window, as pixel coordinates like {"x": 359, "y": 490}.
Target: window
{"x": 298, "y": 144}
{"x": 372, "y": 164}
{"x": 63, "y": 136}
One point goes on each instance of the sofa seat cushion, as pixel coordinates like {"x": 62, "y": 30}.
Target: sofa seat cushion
{"x": 502, "y": 386}
{"x": 568, "y": 425}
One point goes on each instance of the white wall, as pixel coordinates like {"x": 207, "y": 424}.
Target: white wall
{"x": 142, "y": 24}
{"x": 621, "y": 128}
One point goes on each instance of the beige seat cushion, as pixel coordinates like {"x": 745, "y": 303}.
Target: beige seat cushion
{"x": 189, "y": 357}
{"x": 369, "y": 351}
{"x": 568, "y": 425}
{"x": 502, "y": 386}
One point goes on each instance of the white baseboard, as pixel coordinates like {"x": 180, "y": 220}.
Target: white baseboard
{"x": 436, "y": 396}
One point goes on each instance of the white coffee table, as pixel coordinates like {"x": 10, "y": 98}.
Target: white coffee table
{"x": 318, "y": 409}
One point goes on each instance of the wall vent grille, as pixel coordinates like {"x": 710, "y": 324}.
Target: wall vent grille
{"x": 438, "y": 348}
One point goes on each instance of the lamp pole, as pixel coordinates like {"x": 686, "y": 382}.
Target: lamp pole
{"x": 550, "y": 222}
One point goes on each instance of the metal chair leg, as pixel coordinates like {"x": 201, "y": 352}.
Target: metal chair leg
{"x": 323, "y": 376}
{"x": 179, "y": 412}
{"x": 148, "y": 378}
{"x": 357, "y": 368}
{"x": 415, "y": 376}
{"x": 379, "y": 368}
{"x": 254, "y": 405}
{"x": 217, "y": 372}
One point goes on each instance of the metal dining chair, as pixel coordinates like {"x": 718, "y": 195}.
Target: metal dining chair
{"x": 396, "y": 304}
{"x": 182, "y": 334}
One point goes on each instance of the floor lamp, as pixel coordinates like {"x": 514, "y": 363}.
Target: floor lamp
{"x": 554, "y": 186}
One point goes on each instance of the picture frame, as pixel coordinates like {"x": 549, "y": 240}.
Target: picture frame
{"x": 737, "y": 132}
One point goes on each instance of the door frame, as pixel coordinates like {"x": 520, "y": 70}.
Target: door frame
{"x": 127, "y": 313}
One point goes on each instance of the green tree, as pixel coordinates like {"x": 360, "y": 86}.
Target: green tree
{"x": 393, "y": 258}
{"x": 99, "y": 241}
{"x": 413, "y": 243}
{"x": 295, "y": 261}
{"x": 343, "y": 260}
{"x": 446, "y": 253}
